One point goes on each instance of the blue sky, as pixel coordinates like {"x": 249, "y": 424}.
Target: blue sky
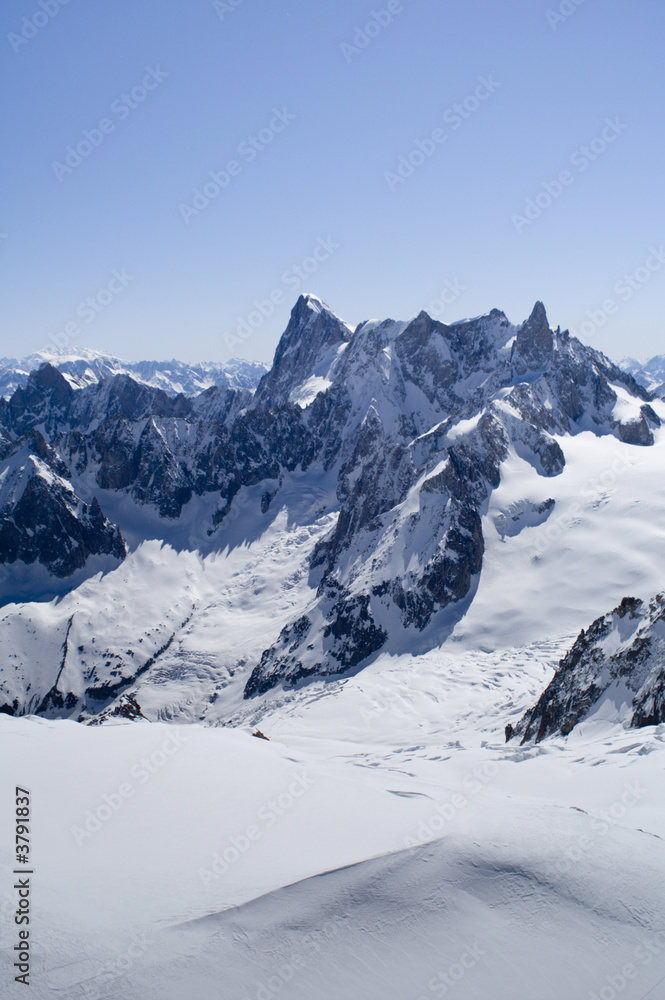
{"x": 544, "y": 183}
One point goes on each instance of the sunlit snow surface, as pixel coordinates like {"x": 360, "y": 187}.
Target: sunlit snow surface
{"x": 385, "y": 844}
{"x": 371, "y": 846}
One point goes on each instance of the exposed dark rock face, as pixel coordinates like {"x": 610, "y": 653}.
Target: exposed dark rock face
{"x": 279, "y": 661}
{"x": 534, "y": 343}
{"x": 639, "y": 431}
{"x": 347, "y": 636}
{"x": 49, "y": 524}
{"x": 353, "y": 633}
{"x": 620, "y": 658}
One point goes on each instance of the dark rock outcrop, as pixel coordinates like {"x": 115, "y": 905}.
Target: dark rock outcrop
{"x": 50, "y": 525}
{"x": 620, "y": 660}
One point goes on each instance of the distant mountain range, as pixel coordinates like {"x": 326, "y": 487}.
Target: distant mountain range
{"x": 650, "y": 374}
{"x": 86, "y": 367}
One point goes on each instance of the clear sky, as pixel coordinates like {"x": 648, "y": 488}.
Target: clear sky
{"x": 307, "y": 123}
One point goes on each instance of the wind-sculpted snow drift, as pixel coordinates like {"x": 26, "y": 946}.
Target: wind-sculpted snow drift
{"x": 400, "y": 429}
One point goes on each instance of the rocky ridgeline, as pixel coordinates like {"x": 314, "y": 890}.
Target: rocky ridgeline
{"x": 413, "y": 420}
{"x": 615, "y": 669}
{"x": 49, "y": 524}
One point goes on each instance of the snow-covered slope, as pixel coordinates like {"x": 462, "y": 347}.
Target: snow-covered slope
{"x": 385, "y": 856}
{"x": 85, "y": 367}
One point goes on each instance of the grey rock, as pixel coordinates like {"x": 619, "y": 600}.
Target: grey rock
{"x": 50, "y": 525}
{"x": 621, "y": 654}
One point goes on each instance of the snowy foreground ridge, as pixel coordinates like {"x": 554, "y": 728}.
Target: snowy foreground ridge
{"x": 396, "y": 557}
{"x": 341, "y": 858}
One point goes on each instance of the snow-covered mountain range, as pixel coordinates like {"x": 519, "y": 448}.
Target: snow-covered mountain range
{"x": 650, "y": 373}
{"x": 85, "y": 367}
{"x": 381, "y": 474}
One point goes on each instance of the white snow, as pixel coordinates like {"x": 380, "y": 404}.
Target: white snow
{"x": 354, "y": 854}
{"x": 604, "y": 540}
{"x": 627, "y": 407}
{"x": 320, "y": 380}
{"x": 462, "y": 428}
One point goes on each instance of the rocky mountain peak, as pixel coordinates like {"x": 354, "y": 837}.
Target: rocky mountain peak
{"x": 311, "y": 339}
{"x": 48, "y": 380}
{"x": 46, "y": 392}
{"x": 534, "y": 341}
